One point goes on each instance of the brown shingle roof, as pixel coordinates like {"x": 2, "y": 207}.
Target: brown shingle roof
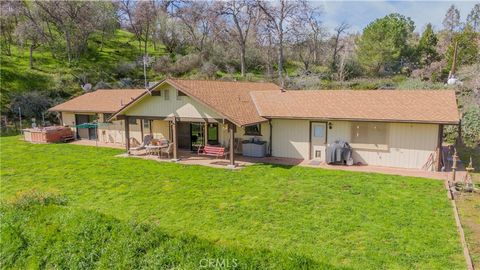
{"x": 102, "y": 100}
{"x": 231, "y": 99}
{"x": 424, "y": 106}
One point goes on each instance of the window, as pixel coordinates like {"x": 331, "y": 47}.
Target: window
{"x": 253, "y": 130}
{"x": 146, "y": 124}
{"x": 180, "y": 94}
{"x": 156, "y": 93}
{"x": 107, "y": 116}
{"x": 319, "y": 131}
{"x": 166, "y": 94}
{"x": 212, "y": 134}
{"x": 369, "y": 133}
{"x": 132, "y": 121}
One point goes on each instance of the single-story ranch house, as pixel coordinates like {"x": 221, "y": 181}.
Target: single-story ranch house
{"x": 394, "y": 128}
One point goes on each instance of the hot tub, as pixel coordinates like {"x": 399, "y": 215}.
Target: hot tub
{"x": 47, "y": 134}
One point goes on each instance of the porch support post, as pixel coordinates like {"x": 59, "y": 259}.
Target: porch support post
{"x": 127, "y": 134}
{"x": 439, "y": 161}
{"x": 231, "y": 131}
{"x": 205, "y": 133}
{"x": 175, "y": 144}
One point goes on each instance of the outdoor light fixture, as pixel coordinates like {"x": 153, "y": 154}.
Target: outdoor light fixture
{"x": 330, "y": 125}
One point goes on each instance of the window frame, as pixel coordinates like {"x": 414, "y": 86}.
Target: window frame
{"x": 250, "y": 133}
{"x": 132, "y": 121}
{"x": 147, "y": 122}
{"x": 166, "y": 94}
{"x": 368, "y": 143}
{"x": 105, "y": 118}
{"x": 180, "y": 94}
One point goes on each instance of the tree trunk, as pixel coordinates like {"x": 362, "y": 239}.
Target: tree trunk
{"x": 67, "y": 39}
{"x": 31, "y": 56}
{"x": 242, "y": 59}
{"x": 280, "y": 60}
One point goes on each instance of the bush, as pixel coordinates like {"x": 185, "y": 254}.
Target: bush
{"x": 102, "y": 85}
{"x": 183, "y": 64}
{"x": 125, "y": 69}
{"x": 32, "y": 104}
{"x": 471, "y": 126}
{"x": 28, "y": 198}
{"x": 163, "y": 64}
{"x": 209, "y": 69}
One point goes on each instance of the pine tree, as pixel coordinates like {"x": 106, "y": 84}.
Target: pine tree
{"x": 451, "y": 22}
{"x": 473, "y": 18}
{"x": 427, "y": 46}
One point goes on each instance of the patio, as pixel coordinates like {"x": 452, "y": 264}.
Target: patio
{"x": 190, "y": 158}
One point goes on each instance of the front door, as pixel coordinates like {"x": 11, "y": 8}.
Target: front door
{"x": 82, "y": 133}
{"x": 318, "y": 141}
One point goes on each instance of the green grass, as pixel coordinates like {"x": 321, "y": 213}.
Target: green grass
{"x": 265, "y": 216}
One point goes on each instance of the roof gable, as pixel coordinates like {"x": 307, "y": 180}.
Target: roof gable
{"x": 230, "y": 99}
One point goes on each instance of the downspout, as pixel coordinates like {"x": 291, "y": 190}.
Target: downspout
{"x": 270, "y": 141}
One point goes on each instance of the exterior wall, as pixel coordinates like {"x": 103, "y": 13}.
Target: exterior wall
{"x": 182, "y": 106}
{"x": 107, "y": 132}
{"x": 112, "y": 132}
{"x": 160, "y": 129}
{"x": 291, "y": 138}
{"x": 408, "y": 145}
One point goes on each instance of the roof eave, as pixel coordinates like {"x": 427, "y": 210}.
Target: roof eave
{"x": 456, "y": 122}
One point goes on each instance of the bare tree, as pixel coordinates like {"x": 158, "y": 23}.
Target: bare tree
{"x": 339, "y": 30}
{"x": 312, "y": 16}
{"x": 198, "y": 19}
{"x": 278, "y": 17}
{"x": 140, "y": 17}
{"x": 241, "y": 16}
{"x": 9, "y": 11}
{"x": 76, "y": 20}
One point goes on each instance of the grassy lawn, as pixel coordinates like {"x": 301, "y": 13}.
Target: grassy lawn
{"x": 130, "y": 213}
{"x": 469, "y": 210}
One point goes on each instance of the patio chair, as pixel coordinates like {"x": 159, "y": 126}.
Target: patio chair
{"x": 167, "y": 150}
{"x": 146, "y": 141}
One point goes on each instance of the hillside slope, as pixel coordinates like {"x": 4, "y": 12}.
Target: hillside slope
{"x": 119, "y": 59}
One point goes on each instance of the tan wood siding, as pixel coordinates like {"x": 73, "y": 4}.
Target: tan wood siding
{"x": 291, "y": 138}
{"x": 408, "y": 145}
{"x": 160, "y": 129}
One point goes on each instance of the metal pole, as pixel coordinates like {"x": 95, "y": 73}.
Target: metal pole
{"x": 20, "y": 117}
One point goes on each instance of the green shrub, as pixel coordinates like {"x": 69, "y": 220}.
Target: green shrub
{"x": 471, "y": 126}
{"x": 28, "y": 198}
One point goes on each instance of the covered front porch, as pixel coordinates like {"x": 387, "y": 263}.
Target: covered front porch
{"x": 182, "y": 137}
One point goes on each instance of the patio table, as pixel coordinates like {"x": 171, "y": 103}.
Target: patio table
{"x": 154, "y": 149}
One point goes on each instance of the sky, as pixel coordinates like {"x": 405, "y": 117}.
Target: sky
{"x": 358, "y": 14}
